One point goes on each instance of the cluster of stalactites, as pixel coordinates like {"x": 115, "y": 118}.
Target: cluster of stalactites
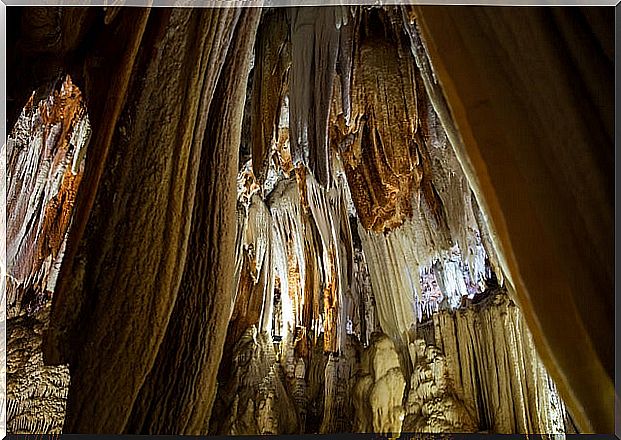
{"x": 45, "y": 155}
{"x": 297, "y": 243}
{"x": 420, "y": 227}
{"x": 296, "y": 57}
{"x": 387, "y": 162}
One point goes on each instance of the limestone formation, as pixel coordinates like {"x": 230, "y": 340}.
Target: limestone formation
{"x": 378, "y": 394}
{"x": 36, "y": 393}
{"x": 45, "y": 162}
{"x": 432, "y": 404}
{"x": 308, "y": 220}
{"x": 255, "y": 399}
{"x": 492, "y": 362}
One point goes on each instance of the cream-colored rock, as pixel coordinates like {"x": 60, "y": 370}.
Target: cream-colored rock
{"x": 378, "y": 394}
{"x": 255, "y": 400}
{"x": 432, "y": 403}
{"x": 494, "y": 367}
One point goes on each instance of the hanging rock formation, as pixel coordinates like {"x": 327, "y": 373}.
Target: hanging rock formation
{"x": 128, "y": 274}
{"x": 278, "y": 227}
{"x": 525, "y": 112}
{"x": 380, "y": 155}
{"x": 272, "y": 60}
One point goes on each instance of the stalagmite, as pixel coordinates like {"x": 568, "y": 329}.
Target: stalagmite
{"x": 340, "y": 374}
{"x": 255, "y": 399}
{"x": 432, "y": 404}
{"x": 378, "y": 393}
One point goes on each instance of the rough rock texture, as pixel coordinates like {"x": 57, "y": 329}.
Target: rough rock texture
{"x": 340, "y": 375}
{"x": 114, "y": 280}
{"x": 272, "y": 60}
{"x": 36, "y": 394}
{"x": 536, "y": 113}
{"x": 432, "y": 404}
{"x": 45, "y": 162}
{"x": 492, "y": 362}
{"x": 255, "y": 400}
{"x": 369, "y": 217}
{"x": 314, "y": 49}
{"x": 378, "y": 393}
{"x": 45, "y": 155}
{"x": 379, "y": 150}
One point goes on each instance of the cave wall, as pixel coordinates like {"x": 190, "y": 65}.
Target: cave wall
{"x": 535, "y": 116}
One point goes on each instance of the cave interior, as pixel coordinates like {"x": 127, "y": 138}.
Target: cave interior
{"x": 288, "y": 220}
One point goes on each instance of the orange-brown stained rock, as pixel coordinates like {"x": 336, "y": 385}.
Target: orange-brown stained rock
{"x": 272, "y": 61}
{"x": 42, "y": 186}
{"x": 379, "y": 151}
{"x": 331, "y": 308}
{"x": 283, "y": 151}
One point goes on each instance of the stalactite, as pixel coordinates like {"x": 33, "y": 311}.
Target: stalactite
{"x": 329, "y": 212}
{"x": 128, "y": 274}
{"x": 354, "y": 224}
{"x": 314, "y": 47}
{"x": 393, "y": 276}
{"x": 378, "y": 149}
{"x": 204, "y": 294}
{"x": 272, "y": 61}
{"x": 45, "y": 162}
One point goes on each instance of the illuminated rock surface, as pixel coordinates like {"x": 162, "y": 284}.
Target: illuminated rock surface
{"x": 279, "y": 222}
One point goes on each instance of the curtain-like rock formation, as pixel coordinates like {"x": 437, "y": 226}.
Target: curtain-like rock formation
{"x": 272, "y": 60}
{"x": 535, "y": 113}
{"x": 493, "y": 364}
{"x": 380, "y": 154}
{"x": 176, "y": 75}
